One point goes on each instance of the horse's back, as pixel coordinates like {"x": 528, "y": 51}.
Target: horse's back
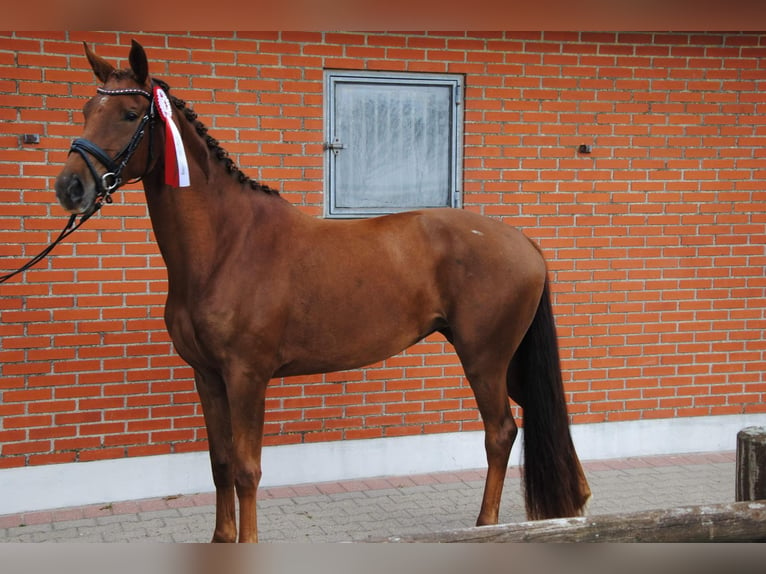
{"x": 455, "y": 228}
{"x": 450, "y": 249}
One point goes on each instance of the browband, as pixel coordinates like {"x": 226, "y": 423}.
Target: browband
{"x": 125, "y": 92}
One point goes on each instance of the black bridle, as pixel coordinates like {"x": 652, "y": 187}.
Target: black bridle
{"x": 111, "y": 180}
{"x": 108, "y": 182}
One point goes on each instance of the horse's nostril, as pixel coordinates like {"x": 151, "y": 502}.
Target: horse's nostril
{"x": 75, "y": 189}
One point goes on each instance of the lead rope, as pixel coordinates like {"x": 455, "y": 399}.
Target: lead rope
{"x": 71, "y": 226}
{"x": 107, "y": 184}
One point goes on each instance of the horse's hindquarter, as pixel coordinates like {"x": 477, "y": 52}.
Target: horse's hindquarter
{"x": 361, "y": 291}
{"x": 492, "y": 277}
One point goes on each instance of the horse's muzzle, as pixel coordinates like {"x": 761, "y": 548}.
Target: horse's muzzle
{"x": 72, "y": 193}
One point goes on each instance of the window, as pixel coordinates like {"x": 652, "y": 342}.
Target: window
{"x": 393, "y": 142}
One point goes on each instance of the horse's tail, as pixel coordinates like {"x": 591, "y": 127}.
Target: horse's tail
{"x": 554, "y": 482}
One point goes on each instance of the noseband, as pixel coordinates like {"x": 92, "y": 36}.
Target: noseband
{"x": 111, "y": 180}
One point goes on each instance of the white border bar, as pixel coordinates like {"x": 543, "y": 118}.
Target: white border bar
{"x": 74, "y": 484}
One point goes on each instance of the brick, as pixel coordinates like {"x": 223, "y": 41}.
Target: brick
{"x": 25, "y": 448}
{"x": 659, "y": 226}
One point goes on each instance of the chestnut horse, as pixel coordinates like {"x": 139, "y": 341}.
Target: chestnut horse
{"x": 258, "y": 289}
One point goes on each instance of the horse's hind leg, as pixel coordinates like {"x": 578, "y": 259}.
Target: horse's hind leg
{"x": 215, "y": 407}
{"x": 488, "y": 382}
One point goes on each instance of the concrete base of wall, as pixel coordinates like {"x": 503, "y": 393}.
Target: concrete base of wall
{"x": 74, "y": 484}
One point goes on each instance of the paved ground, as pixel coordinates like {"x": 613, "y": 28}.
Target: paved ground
{"x": 362, "y": 510}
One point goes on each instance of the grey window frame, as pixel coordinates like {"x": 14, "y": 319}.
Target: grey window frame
{"x": 335, "y": 146}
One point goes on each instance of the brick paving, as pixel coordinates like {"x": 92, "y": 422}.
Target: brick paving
{"x": 374, "y": 508}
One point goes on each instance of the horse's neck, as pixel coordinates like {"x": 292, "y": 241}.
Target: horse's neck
{"x": 195, "y": 226}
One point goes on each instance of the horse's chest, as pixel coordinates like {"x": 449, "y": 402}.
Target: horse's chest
{"x": 198, "y": 334}
{"x": 211, "y": 335}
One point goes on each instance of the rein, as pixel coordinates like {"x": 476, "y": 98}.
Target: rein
{"x": 107, "y": 183}
{"x": 70, "y": 228}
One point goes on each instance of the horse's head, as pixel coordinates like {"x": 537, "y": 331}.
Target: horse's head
{"x": 112, "y": 148}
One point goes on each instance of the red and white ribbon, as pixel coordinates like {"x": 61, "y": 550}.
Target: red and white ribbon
{"x": 176, "y": 166}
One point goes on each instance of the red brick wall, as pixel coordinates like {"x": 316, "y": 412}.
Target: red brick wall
{"x": 655, "y": 240}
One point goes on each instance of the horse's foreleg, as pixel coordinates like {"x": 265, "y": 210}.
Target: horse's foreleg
{"x": 215, "y": 407}
{"x": 247, "y": 400}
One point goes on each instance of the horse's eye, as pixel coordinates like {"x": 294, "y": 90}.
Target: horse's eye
{"x": 131, "y": 116}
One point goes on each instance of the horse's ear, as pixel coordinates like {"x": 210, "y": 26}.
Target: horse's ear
{"x": 101, "y": 67}
{"x": 138, "y": 62}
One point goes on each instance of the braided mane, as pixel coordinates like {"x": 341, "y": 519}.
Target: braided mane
{"x": 212, "y": 143}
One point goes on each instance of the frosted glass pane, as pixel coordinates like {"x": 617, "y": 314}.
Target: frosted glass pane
{"x": 398, "y": 141}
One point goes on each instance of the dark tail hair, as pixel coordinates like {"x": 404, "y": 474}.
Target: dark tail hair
{"x": 554, "y": 483}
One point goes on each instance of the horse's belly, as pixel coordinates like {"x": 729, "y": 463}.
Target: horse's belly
{"x": 352, "y": 345}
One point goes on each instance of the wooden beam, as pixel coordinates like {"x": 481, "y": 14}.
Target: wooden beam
{"x": 751, "y": 464}
{"x": 731, "y": 522}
